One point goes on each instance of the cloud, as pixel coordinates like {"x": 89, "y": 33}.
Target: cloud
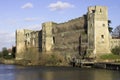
{"x": 27, "y": 6}
{"x": 7, "y": 39}
{"x": 33, "y": 27}
{"x": 60, "y": 6}
{"x": 30, "y": 19}
{"x": 3, "y": 33}
{"x": 9, "y": 22}
{"x": 36, "y": 27}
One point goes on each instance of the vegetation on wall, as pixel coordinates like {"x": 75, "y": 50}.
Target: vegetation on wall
{"x": 33, "y": 57}
{"x": 116, "y": 50}
{"x": 53, "y": 59}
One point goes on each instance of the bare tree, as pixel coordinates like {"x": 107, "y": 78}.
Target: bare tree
{"x": 116, "y": 32}
{"x": 109, "y": 27}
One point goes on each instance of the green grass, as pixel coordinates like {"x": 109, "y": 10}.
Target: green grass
{"x": 110, "y": 56}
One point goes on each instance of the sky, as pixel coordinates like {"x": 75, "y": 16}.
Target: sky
{"x": 30, "y": 14}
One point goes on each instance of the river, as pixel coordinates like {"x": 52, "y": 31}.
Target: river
{"x": 13, "y": 72}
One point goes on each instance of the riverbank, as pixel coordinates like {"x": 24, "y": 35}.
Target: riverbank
{"x": 103, "y": 64}
{"x": 7, "y": 61}
{"x": 29, "y": 63}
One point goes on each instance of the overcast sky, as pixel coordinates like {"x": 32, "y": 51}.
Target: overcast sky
{"x": 29, "y": 14}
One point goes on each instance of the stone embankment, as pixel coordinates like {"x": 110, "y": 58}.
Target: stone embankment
{"x": 5, "y": 61}
{"x": 103, "y": 64}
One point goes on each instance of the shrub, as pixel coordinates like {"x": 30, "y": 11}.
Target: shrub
{"x": 31, "y": 55}
{"x": 0, "y": 55}
{"x": 116, "y": 50}
{"x": 53, "y": 59}
{"x": 8, "y": 57}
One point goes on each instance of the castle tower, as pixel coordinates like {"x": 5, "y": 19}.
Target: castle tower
{"x": 20, "y": 45}
{"x": 98, "y": 33}
{"x": 47, "y": 36}
{"x": 22, "y": 42}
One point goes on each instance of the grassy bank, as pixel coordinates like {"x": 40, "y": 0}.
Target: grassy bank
{"x": 113, "y": 57}
{"x": 110, "y": 56}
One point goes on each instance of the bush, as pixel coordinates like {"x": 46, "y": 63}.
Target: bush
{"x": 0, "y": 55}
{"x": 31, "y": 55}
{"x": 8, "y": 57}
{"x": 51, "y": 59}
{"x": 116, "y": 50}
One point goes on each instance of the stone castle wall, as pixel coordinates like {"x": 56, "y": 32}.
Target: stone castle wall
{"x": 67, "y": 36}
{"x": 114, "y": 43}
{"x": 87, "y": 34}
{"x": 27, "y": 39}
{"x": 64, "y": 37}
{"x": 98, "y": 32}
{"x": 22, "y": 39}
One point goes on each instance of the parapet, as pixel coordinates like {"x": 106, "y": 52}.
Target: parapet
{"x": 95, "y": 9}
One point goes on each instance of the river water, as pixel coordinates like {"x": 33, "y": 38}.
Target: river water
{"x": 13, "y": 72}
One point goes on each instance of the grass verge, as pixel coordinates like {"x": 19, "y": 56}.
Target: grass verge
{"x": 110, "y": 56}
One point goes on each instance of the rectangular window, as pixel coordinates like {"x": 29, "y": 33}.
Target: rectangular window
{"x": 102, "y": 36}
{"x": 100, "y": 10}
{"x": 53, "y": 40}
{"x": 103, "y": 25}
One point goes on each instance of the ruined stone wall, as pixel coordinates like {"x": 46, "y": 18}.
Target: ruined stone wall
{"x": 27, "y": 35}
{"x": 19, "y": 44}
{"x": 90, "y": 30}
{"x": 22, "y": 39}
{"x": 66, "y": 36}
{"x": 47, "y": 36}
{"x": 26, "y": 40}
{"x": 114, "y": 43}
{"x": 36, "y": 40}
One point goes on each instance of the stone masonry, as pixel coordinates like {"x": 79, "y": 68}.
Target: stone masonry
{"x": 88, "y": 34}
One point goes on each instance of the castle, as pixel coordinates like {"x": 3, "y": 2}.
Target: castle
{"x": 88, "y": 34}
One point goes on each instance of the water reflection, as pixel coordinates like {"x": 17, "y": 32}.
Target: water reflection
{"x": 11, "y": 72}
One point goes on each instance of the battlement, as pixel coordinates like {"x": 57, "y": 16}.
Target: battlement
{"x": 97, "y": 9}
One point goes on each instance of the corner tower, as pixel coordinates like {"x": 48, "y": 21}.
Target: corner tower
{"x": 47, "y": 36}
{"x": 22, "y": 42}
{"x": 20, "y": 45}
{"x": 98, "y": 33}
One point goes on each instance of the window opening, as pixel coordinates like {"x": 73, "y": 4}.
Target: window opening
{"x": 102, "y": 36}
{"x": 54, "y": 40}
{"x": 100, "y": 10}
